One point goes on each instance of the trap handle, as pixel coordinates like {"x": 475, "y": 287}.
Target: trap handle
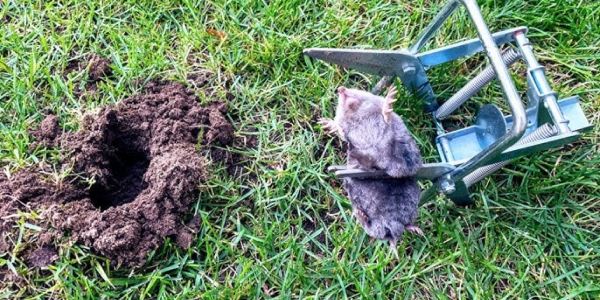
{"x": 500, "y": 70}
{"x": 519, "y": 123}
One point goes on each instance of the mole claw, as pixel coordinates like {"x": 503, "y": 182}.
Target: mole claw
{"x": 394, "y": 249}
{"x": 361, "y": 216}
{"x": 386, "y": 117}
{"x": 414, "y": 229}
{"x": 391, "y": 93}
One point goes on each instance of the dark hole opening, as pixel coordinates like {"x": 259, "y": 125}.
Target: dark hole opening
{"x": 125, "y": 182}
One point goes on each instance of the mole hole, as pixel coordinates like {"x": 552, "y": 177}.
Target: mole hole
{"x": 125, "y": 181}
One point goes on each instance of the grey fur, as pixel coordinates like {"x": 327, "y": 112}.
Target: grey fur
{"x": 389, "y": 205}
{"x": 373, "y": 142}
{"x": 384, "y": 207}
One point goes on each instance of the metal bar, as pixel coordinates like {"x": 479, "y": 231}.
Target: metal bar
{"x": 334, "y": 168}
{"x": 516, "y": 106}
{"x": 552, "y": 142}
{"x": 540, "y": 133}
{"x": 423, "y": 38}
{"x": 541, "y": 83}
{"x": 427, "y": 171}
{"x": 473, "y": 86}
{"x": 372, "y": 61}
{"x": 434, "y": 26}
{"x": 465, "y": 48}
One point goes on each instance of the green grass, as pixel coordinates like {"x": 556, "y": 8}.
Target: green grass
{"x": 284, "y": 228}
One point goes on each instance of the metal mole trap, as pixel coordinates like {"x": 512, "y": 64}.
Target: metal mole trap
{"x": 469, "y": 154}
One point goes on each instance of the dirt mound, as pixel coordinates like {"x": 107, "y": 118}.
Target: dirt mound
{"x": 137, "y": 171}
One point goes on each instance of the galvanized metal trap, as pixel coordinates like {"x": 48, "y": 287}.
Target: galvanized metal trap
{"x": 469, "y": 154}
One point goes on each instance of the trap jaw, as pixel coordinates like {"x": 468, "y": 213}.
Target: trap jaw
{"x": 472, "y": 153}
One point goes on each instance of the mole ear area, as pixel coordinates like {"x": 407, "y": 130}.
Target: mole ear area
{"x": 352, "y": 103}
{"x": 349, "y": 98}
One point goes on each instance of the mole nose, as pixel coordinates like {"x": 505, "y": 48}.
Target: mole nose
{"x": 341, "y": 89}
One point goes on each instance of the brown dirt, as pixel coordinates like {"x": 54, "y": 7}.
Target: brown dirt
{"x": 143, "y": 172}
{"x": 97, "y": 67}
{"x": 42, "y": 257}
{"x": 47, "y": 132}
{"x": 199, "y": 78}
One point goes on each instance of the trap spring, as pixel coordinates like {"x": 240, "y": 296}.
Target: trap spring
{"x": 470, "y": 154}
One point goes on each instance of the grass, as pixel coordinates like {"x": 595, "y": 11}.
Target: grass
{"x": 283, "y": 228}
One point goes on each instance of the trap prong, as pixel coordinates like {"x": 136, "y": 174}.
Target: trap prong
{"x": 469, "y": 154}
{"x": 427, "y": 171}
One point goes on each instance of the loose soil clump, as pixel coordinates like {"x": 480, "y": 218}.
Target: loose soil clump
{"x": 97, "y": 68}
{"x": 137, "y": 171}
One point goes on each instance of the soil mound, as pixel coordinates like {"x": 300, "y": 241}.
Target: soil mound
{"x": 137, "y": 170}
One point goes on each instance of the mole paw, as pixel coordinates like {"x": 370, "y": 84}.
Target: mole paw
{"x": 361, "y": 216}
{"x": 414, "y": 229}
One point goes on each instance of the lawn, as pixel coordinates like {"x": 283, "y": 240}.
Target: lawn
{"x": 283, "y": 228}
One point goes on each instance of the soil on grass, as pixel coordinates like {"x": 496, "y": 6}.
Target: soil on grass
{"x": 42, "y": 256}
{"x": 137, "y": 171}
{"x": 46, "y": 134}
{"x": 97, "y": 67}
